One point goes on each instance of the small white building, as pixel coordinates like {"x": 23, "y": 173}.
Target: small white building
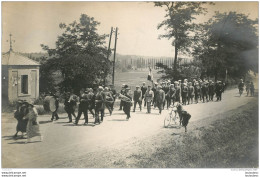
{"x": 20, "y": 78}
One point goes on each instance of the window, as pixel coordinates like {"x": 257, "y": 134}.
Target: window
{"x": 24, "y": 84}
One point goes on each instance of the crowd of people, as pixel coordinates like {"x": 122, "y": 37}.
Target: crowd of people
{"x": 153, "y": 95}
{"x": 95, "y": 102}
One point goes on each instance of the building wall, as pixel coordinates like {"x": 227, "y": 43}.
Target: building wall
{"x": 4, "y": 85}
{"x": 15, "y": 80}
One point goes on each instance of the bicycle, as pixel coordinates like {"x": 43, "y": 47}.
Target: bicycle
{"x": 171, "y": 117}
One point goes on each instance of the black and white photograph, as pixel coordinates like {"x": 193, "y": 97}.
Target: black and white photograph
{"x": 130, "y": 85}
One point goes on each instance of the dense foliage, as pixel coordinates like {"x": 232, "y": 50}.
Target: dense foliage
{"x": 227, "y": 43}
{"x": 80, "y": 55}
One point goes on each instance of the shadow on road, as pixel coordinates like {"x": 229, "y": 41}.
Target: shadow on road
{"x": 118, "y": 120}
{"x": 24, "y": 142}
{"x": 45, "y": 122}
{"x": 10, "y": 137}
{"x": 86, "y": 125}
{"x": 61, "y": 122}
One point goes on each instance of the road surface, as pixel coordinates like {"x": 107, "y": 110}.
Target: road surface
{"x": 67, "y": 145}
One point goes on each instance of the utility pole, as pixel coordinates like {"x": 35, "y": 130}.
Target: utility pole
{"x": 108, "y": 51}
{"x": 111, "y": 33}
{"x": 113, "y": 76}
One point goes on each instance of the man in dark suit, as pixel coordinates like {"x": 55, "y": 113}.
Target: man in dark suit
{"x": 143, "y": 89}
{"x": 137, "y": 98}
{"x": 99, "y": 105}
{"x": 83, "y": 107}
{"x": 160, "y": 98}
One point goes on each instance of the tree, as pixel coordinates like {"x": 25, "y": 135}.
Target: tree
{"x": 179, "y": 24}
{"x": 80, "y": 54}
{"x": 227, "y": 43}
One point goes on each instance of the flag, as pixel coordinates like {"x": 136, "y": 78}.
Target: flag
{"x": 150, "y": 75}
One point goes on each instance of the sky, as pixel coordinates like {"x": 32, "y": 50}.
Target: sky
{"x": 35, "y": 23}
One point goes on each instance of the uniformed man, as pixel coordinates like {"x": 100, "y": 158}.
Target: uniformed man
{"x": 197, "y": 92}
{"x": 160, "y": 98}
{"x": 149, "y": 95}
{"x": 164, "y": 89}
{"x": 185, "y": 91}
{"x": 83, "y": 107}
{"x": 205, "y": 91}
{"x": 113, "y": 92}
{"x": 241, "y": 87}
{"x": 127, "y": 104}
{"x": 108, "y": 100}
{"x": 55, "y": 114}
{"x": 171, "y": 95}
{"x": 123, "y": 93}
{"x": 154, "y": 89}
{"x": 91, "y": 101}
{"x": 70, "y": 105}
{"x": 99, "y": 105}
{"x": 190, "y": 93}
{"x": 181, "y": 88}
{"x": 137, "y": 98}
{"x": 178, "y": 92}
{"x": 219, "y": 89}
{"x": 143, "y": 89}
{"x": 211, "y": 90}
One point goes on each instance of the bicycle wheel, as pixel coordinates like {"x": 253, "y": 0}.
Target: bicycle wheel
{"x": 176, "y": 117}
{"x": 167, "y": 121}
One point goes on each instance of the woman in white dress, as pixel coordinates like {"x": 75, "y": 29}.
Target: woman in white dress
{"x": 32, "y": 129}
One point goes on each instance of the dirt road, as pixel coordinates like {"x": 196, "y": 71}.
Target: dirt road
{"x": 70, "y": 146}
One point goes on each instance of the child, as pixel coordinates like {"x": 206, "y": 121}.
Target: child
{"x": 184, "y": 116}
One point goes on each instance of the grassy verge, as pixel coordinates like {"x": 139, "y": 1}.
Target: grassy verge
{"x": 230, "y": 141}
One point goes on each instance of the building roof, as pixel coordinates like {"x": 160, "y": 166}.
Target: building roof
{"x": 12, "y": 58}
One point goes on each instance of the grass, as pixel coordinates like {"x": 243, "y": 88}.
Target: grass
{"x": 230, "y": 141}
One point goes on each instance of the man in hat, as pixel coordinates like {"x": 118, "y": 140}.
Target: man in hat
{"x": 241, "y": 87}
{"x": 185, "y": 91}
{"x": 91, "y": 101}
{"x": 154, "y": 89}
{"x": 99, "y": 105}
{"x": 178, "y": 92}
{"x": 138, "y": 98}
{"x": 108, "y": 100}
{"x": 190, "y": 93}
{"x": 148, "y": 97}
{"x": 205, "y": 91}
{"x": 165, "y": 89}
{"x": 211, "y": 90}
{"x": 83, "y": 107}
{"x": 113, "y": 93}
{"x": 219, "y": 90}
{"x": 55, "y": 114}
{"x": 123, "y": 93}
{"x": 171, "y": 95}
{"x": 70, "y": 104}
{"x": 127, "y": 104}
{"x": 197, "y": 91}
{"x": 143, "y": 89}
{"x": 160, "y": 98}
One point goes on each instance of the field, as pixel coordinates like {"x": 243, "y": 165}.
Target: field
{"x": 134, "y": 78}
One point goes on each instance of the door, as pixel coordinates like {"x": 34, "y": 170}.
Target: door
{"x": 33, "y": 83}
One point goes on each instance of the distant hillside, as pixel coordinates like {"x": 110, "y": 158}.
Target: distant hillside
{"x": 123, "y": 62}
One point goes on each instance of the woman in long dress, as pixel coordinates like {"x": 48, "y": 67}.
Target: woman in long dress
{"x": 32, "y": 129}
